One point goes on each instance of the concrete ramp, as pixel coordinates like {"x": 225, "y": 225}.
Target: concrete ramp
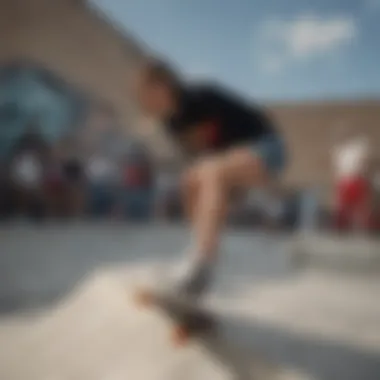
{"x": 97, "y": 333}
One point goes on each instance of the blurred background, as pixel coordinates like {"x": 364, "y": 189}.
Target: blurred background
{"x": 73, "y": 145}
{"x": 74, "y": 149}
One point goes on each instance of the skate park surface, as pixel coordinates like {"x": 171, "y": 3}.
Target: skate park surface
{"x": 67, "y": 312}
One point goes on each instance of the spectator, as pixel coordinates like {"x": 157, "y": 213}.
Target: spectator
{"x": 27, "y": 178}
{"x": 55, "y": 192}
{"x": 102, "y": 174}
{"x": 137, "y": 185}
{"x": 26, "y": 172}
{"x": 352, "y": 185}
{"x": 74, "y": 180}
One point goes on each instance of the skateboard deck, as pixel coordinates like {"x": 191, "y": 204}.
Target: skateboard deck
{"x": 189, "y": 320}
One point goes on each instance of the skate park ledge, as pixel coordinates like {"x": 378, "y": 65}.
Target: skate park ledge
{"x": 333, "y": 251}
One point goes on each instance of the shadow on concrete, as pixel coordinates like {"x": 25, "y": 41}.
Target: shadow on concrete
{"x": 260, "y": 346}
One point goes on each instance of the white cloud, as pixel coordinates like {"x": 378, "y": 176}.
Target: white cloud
{"x": 305, "y": 37}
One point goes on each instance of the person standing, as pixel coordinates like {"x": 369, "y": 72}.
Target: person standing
{"x": 353, "y": 188}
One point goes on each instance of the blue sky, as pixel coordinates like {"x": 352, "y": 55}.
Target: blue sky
{"x": 267, "y": 49}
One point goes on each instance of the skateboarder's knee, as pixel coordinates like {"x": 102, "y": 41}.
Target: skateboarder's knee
{"x": 208, "y": 173}
{"x": 212, "y": 174}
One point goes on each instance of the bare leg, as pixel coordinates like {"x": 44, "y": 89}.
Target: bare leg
{"x": 190, "y": 193}
{"x": 210, "y": 209}
{"x": 239, "y": 169}
{"x": 207, "y": 204}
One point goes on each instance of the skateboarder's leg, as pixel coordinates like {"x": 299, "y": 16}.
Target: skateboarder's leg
{"x": 239, "y": 170}
{"x": 189, "y": 192}
{"x": 210, "y": 184}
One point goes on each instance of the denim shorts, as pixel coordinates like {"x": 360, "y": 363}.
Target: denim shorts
{"x": 271, "y": 149}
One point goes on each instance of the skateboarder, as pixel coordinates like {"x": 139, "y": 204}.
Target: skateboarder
{"x": 234, "y": 147}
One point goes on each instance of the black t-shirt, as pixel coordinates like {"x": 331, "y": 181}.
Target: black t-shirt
{"x": 230, "y": 120}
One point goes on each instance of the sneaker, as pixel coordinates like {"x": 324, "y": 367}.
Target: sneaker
{"x": 192, "y": 278}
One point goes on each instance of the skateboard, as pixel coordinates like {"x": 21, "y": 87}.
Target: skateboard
{"x": 189, "y": 320}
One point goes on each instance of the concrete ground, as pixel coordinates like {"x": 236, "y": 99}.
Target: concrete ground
{"x": 66, "y": 310}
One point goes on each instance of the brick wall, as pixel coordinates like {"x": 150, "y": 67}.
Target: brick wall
{"x": 310, "y": 132}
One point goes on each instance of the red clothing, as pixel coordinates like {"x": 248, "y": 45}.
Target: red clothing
{"x": 136, "y": 176}
{"x": 212, "y": 133}
{"x": 353, "y": 197}
{"x": 352, "y": 192}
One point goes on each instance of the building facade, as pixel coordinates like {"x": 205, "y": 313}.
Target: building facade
{"x": 60, "y": 59}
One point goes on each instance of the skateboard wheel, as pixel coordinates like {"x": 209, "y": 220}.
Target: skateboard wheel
{"x": 181, "y": 336}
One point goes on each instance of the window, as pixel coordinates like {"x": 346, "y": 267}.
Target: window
{"x": 30, "y": 95}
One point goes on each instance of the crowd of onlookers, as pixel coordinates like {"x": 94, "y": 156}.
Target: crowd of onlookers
{"x": 42, "y": 181}
{"x": 56, "y": 181}
{"x": 60, "y": 181}
{"x": 62, "y": 187}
